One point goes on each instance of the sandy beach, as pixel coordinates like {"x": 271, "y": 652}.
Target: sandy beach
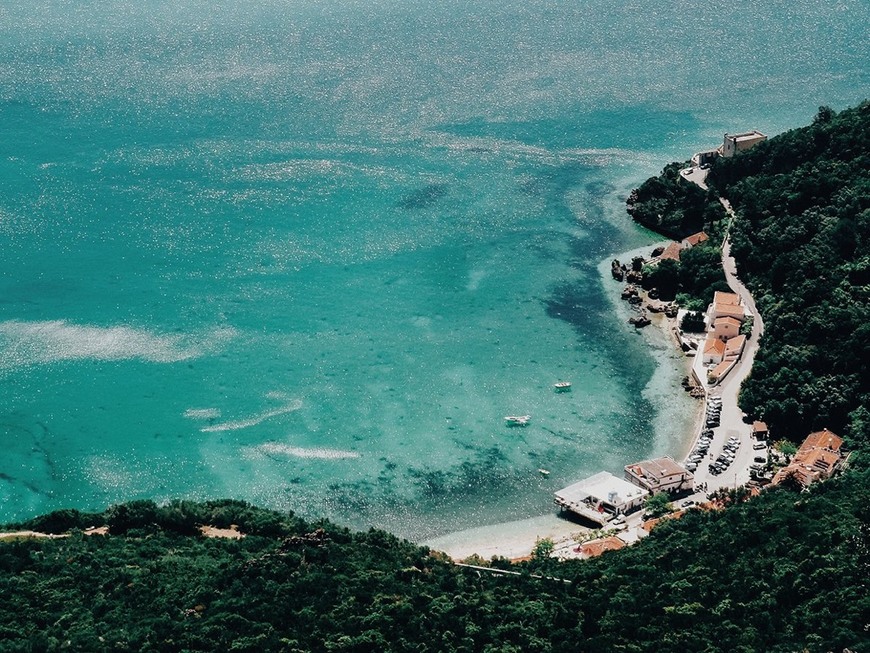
{"x": 511, "y": 540}
{"x": 517, "y": 539}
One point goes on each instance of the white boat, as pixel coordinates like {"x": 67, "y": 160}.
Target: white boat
{"x": 544, "y": 472}
{"x": 517, "y": 420}
{"x": 562, "y": 386}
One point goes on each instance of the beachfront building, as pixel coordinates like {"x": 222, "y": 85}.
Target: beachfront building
{"x": 818, "y": 458}
{"x": 726, "y": 327}
{"x": 724, "y": 344}
{"x": 725, "y": 304}
{"x": 601, "y": 497}
{"x": 719, "y": 372}
{"x": 714, "y": 351}
{"x": 734, "y": 348}
{"x": 735, "y": 143}
{"x": 694, "y": 239}
{"x": 674, "y": 249}
{"x": 671, "y": 252}
{"x": 660, "y": 475}
{"x": 595, "y": 548}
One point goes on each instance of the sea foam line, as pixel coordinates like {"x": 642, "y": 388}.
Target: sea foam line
{"x": 28, "y": 343}
{"x": 322, "y": 453}
{"x": 235, "y": 425}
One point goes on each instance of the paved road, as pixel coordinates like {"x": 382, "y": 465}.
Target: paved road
{"x": 732, "y": 418}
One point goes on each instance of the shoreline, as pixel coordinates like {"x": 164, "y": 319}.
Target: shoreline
{"x": 517, "y": 539}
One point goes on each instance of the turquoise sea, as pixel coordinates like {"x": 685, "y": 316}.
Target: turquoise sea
{"x": 310, "y": 254}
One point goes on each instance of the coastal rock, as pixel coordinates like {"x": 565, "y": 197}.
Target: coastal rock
{"x": 629, "y": 291}
{"x": 616, "y": 270}
{"x": 657, "y": 252}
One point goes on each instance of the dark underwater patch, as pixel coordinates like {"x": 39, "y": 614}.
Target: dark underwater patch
{"x": 423, "y": 198}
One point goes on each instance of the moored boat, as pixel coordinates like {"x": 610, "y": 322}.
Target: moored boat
{"x": 562, "y": 386}
{"x": 517, "y": 420}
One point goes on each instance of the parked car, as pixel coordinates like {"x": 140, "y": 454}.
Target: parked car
{"x": 760, "y": 459}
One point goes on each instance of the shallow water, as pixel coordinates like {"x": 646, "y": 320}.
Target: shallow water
{"x": 311, "y": 254}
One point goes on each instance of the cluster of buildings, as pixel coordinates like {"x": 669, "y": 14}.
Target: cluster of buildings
{"x": 724, "y": 343}
{"x": 817, "y": 459}
{"x": 675, "y": 249}
{"x": 604, "y": 497}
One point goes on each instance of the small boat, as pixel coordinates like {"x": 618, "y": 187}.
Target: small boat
{"x": 562, "y": 386}
{"x": 517, "y": 420}
{"x": 544, "y": 472}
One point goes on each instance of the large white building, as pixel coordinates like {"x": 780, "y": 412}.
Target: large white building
{"x": 600, "y": 498}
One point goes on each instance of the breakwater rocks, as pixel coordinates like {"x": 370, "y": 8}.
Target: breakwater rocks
{"x": 642, "y": 301}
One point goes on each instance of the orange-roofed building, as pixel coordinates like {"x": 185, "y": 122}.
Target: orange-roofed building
{"x": 660, "y": 475}
{"x": 823, "y": 439}
{"x": 714, "y": 351}
{"x": 595, "y": 548}
{"x": 672, "y": 252}
{"x": 817, "y": 459}
{"x": 719, "y": 310}
{"x": 719, "y": 372}
{"x": 726, "y": 327}
{"x": 734, "y": 347}
{"x": 759, "y": 430}
{"x": 695, "y": 239}
{"x": 720, "y": 297}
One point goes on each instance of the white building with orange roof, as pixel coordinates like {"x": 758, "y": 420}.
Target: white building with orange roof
{"x": 734, "y": 348}
{"x": 713, "y": 352}
{"x": 726, "y": 327}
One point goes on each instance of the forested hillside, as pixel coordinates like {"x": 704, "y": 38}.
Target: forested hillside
{"x": 802, "y": 245}
{"x": 715, "y": 581}
{"x": 785, "y": 571}
{"x": 669, "y": 206}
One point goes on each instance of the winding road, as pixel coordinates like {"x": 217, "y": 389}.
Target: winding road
{"x": 732, "y": 422}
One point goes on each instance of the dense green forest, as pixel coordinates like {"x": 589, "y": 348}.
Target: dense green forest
{"x": 802, "y": 245}
{"x": 712, "y": 581}
{"x": 785, "y": 571}
{"x": 670, "y": 206}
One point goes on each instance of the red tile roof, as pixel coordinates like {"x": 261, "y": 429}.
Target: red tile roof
{"x": 597, "y": 547}
{"x": 671, "y": 252}
{"x": 696, "y": 239}
{"x": 714, "y": 346}
{"x": 728, "y": 310}
{"x": 720, "y": 297}
{"x": 824, "y": 438}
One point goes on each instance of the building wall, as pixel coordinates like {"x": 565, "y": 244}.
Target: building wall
{"x": 725, "y": 330}
{"x": 731, "y": 145}
{"x": 670, "y": 483}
